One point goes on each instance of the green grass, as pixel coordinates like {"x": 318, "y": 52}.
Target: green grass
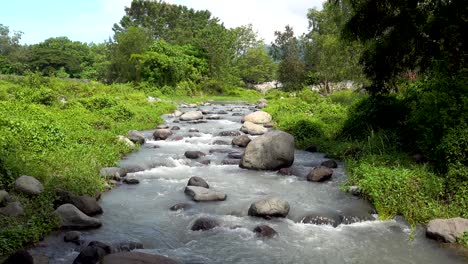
{"x": 63, "y": 144}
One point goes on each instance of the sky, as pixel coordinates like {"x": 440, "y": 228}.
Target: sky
{"x": 92, "y": 20}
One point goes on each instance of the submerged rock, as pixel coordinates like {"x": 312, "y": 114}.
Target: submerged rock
{"x": 271, "y": 151}
{"x": 265, "y": 231}
{"x": 204, "y": 223}
{"x": 271, "y": 207}
{"x": 201, "y": 194}
{"x": 131, "y": 179}
{"x": 180, "y": 206}
{"x": 316, "y": 219}
{"x": 230, "y": 162}
{"x": 235, "y": 155}
{"x": 72, "y": 236}
{"x": 194, "y": 154}
{"x": 233, "y": 133}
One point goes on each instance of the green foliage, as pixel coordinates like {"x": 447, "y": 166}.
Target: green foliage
{"x": 63, "y": 144}
{"x": 255, "y": 66}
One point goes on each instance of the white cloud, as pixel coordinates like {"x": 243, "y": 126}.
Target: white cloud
{"x": 266, "y": 16}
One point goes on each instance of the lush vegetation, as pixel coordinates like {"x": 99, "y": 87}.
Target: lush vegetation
{"x": 403, "y": 130}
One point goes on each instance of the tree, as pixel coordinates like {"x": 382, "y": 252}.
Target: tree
{"x": 12, "y": 54}
{"x": 256, "y": 66}
{"x": 408, "y": 35}
{"x": 287, "y": 49}
{"x": 330, "y": 58}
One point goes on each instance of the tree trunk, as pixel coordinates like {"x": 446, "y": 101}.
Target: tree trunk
{"x": 327, "y": 87}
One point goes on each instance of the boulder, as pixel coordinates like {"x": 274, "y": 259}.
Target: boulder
{"x": 194, "y": 154}
{"x": 72, "y": 236}
{"x": 86, "y": 204}
{"x": 136, "y": 258}
{"x": 125, "y": 141}
{"x": 162, "y": 134}
{"x": 320, "y": 174}
{"x": 12, "y": 209}
{"x": 329, "y": 164}
{"x": 131, "y": 179}
{"x": 175, "y": 128}
{"x": 270, "y": 151}
{"x": 163, "y": 126}
{"x": 204, "y": 223}
{"x": 241, "y": 141}
{"x": 233, "y": 133}
{"x": 271, "y": 207}
{"x": 29, "y": 185}
{"x": 235, "y": 155}
{"x": 253, "y": 129}
{"x": 72, "y": 217}
{"x": 197, "y": 181}
{"x": 191, "y": 116}
{"x": 136, "y": 137}
{"x": 20, "y": 257}
{"x": 180, "y": 206}
{"x": 265, "y": 231}
{"x": 4, "y": 198}
{"x": 447, "y": 230}
{"x": 201, "y": 194}
{"x": 258, "y": 117}
{"x": 114, "y": 173}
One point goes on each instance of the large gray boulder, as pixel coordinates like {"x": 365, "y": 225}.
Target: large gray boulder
{"x": 197, "y": 181}
{"x": 258, "y": 117}
{"x": 447, "y": 230}
{"x": 241, "y": 141}
{"x": 28, "y": 185}
{"x": 136, "y": 137}
{"x": 271, "y": 207}
{"x": 191, "y": 116}
{"x": 201, "y": 194}
{"x": 136, "y": 258}
{"x": 72, "y": 217}
{"x": 271, "y": 151}
{"x": 162, "y": 134}
{"x": 253, "y": 129}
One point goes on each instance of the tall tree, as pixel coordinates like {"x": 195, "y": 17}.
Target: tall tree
{"x": 12, "y": 54}
{"x": 288, "y": 50}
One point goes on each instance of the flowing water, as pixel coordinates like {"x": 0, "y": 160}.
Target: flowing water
{"x": 141, "y": 212}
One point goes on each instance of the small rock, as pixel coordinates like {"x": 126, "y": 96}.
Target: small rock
{"x": 265, "y": 231}
{"x": 127, "y": 246}
{"x": 114, "y": 173}
{"x": 194, "y": 122}
{"x": 136, "y": 137}
{"x": 269, "y": 125}
{"x": 258, "y": 117}
{"x": 180, "y": 206}
{"x": 162, "y": 134}
{"x": 253, "y": 129}
{"x": 29, "y": 185}
{"x": 136, "y": 258}
{"x": 163, "y": 126}
{"x": 177, "y": 138}
{"x": 235, "y": 155}
{"x": 197, "y": 181}
{"x": 233, "y": 133}
{"x": 205, "y": 162}
{"x": 201, "y": 194}
{"x": 131, "y": 179}
{"x": 213, "y": 117}
{"x": 329, "y": 164}
{"x": 241, "y": 141}
{"x": 272, "y": 207}
{"x": 72, "y": 217}
{"x": 4, "y": 198}
{"x": 72, "y": 236}
{"x": 262, "y": 105}
{"x": 447, "y": 230}
{"x": 20, "y": 257}
{"x": 230, "y": 162}
{"x": 193, "y": 130}
{"x": 175, "y": 128}
{"x": 332, "y": 220}
{"x": 237, "y": 114}
{"x": 351, "y": 219}
{"x": 220, "y": 150}
{"x": 204, "y": 223}
{"x": 91, "y": 254}
{"x": 355, "y": 190}
{"x": 220, "y": 142}
{"x": 191, "y": 116}
{"x": 194, "y": 154}
{"x": 177, "y": 113}
{"x": 12, "y": 209}
{"x": 320, "y": 174}
{"x": 221, "y": 112}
